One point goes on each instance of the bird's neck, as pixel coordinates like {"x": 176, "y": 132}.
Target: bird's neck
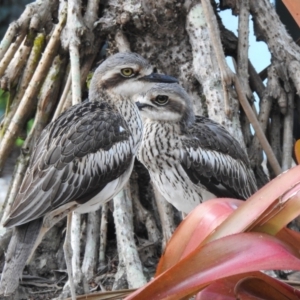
{"x": 163, "y": 127}
{"x": 102, "y": 95}
{"x": 118, "y": 102}
{"x": 131, "y": 114}
{"x": 160, "y": 140}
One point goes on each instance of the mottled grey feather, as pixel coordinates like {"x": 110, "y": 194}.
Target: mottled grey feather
{"x": 60, "y": 169}
{"x": 212, "y": 156}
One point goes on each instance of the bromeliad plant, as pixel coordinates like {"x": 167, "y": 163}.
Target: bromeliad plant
{"x": 217, "y": 252}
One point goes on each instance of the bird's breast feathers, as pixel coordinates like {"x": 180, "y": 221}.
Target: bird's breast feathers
{"x": 176, "y": 187}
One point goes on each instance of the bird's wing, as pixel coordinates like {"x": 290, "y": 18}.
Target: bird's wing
{"x": 75, "y": 157}
{"x": 213, "y": 157}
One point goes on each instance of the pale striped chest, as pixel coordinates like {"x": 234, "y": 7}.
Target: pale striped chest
{"x": 160, "y": 153}
{"x": 160, "y": 146}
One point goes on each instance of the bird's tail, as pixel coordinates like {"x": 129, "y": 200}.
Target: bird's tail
{"x": 18, "y": 252}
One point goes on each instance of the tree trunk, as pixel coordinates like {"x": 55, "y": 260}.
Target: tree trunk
{"x": 45, "y": 60}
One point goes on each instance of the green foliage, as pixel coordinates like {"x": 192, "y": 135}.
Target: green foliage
{"x": 88, "y": 79}
{"x": 20, "y": 141}
{"x": 29, "y": 125}
{"x": 4, "y": 100}
{"x": 4, "y": 96}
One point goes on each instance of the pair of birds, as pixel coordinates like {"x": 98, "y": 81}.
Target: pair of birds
{"x": 84, "y": 158}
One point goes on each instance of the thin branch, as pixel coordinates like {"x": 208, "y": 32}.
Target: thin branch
{"x": 268, "y": 27}
{"x": 8, "y": 38}
{"x": 252, "y": 118}
{"x": 214, "y": 33}
{"x": 275, "y": 134}
{"x": 127, "y": 247}
{"x": 66, "y": 98}
{"x": 166, "y": 212}
{"x": 34, "y": 17}
{"x": 243, "y": 45}
{"x": 63, "y": 98}
{"x": 91, "y": 14}
{"x": 34, "y": 57}
{"x": 73, "y": 31}
{"x": 10, "y": 53}
{"x": 71, "y": 40}
{"x": 32, "y": 90}
{"x": 103, "y": 235}
{"x": 143, "y": 215}
{"x": 245, "y": 124}
{"x": 255, "y": 81}
{"x": 89, "y": 262}
{"x": 15, "y": 184}
{"x": 287, "y": 144}
{"x": 263, "y": 119}
{"x": 294, "y": 73}
{"x": 75, "y": 71}
{"x": 75, "y": 244}
{"x": 47, "y": 96}
{"x": 48, "y": 92}
{"x": 122, "y": 42}
{"x": 68, "y": 251}
{"x": 15, "y": 67}
{"x": 120, "y": 282}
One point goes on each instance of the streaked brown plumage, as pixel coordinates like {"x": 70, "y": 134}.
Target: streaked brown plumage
{"x": 190, "y": 158}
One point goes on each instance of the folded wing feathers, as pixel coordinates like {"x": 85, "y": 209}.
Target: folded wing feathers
{"x": 223, "y": 168}
{"x": 210, "y": 151}
{"x": 82, "y": 150}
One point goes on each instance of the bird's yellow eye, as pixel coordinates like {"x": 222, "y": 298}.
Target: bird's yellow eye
{"x": 127, "y": 72}
{"x": 161, "y": 99}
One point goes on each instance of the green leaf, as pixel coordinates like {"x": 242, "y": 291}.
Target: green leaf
{"x": 19, "y": 142}
{"x": 4, "y": 96}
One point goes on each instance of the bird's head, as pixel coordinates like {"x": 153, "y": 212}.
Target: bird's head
{"x": 166, "y": 102}
{"x": 125, "y": 74}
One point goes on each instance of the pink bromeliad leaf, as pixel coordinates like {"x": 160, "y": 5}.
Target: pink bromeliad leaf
{"x": 255, "y": 285}
{"x": 262, "y": 206}
{"x": 195, "y": 228}
{"x": 221, "y": 258}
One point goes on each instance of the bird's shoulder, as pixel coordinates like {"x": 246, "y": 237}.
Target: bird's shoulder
{"x": 92, "y": 117}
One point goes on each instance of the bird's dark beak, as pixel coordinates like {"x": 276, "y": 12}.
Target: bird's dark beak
{"x": 155, "y": 77}
{"x": 141, "y": 105}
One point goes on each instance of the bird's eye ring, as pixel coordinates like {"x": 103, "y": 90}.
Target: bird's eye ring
{"x": 127, "y": 72}
{"x": 161, "y": 99}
